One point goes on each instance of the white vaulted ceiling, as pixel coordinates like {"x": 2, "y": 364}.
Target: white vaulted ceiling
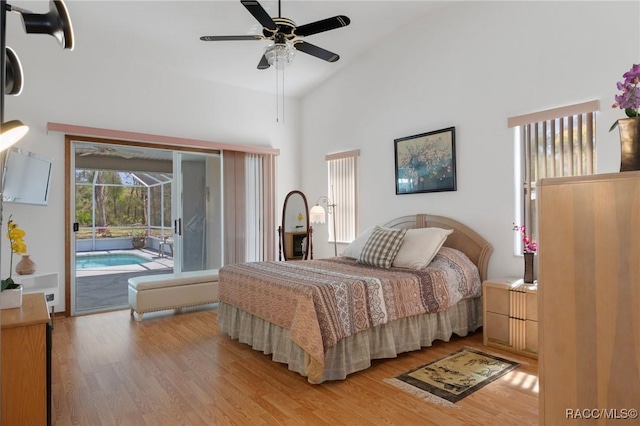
{"x": 165, "y": 35}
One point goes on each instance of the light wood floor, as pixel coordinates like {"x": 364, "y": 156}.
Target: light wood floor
{"x": 178, "y": 369}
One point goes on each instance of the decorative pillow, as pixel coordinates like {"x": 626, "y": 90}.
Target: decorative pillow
{"x": 354, "y": 249}
{"x": 381, "y": 247}
{"x": 420, "y": 247}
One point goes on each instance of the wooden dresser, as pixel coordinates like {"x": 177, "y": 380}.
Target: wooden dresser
{"x": 24, "y": 362}
{"x": 589, "y": 299}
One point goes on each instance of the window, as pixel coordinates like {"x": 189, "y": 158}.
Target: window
{"x": 342, "y": 191}
{"x": 552, "y": 143}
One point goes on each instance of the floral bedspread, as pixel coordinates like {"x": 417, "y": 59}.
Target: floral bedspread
{"x": 325, "y": 300}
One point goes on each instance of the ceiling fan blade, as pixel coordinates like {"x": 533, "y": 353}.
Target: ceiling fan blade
{"x": 316, "y": 51}
{"x": 260, "y": 14}
{"x": 231, "y": 38}
{"x": 263, "y": 64}
{"x": 323, "y": 25}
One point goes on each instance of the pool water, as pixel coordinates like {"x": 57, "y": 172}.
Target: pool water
{"x": 111, "y": 259}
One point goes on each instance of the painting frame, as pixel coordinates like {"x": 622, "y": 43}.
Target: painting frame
{"x": 426, "y": 162}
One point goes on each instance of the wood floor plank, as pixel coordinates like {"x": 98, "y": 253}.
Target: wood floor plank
{"x": 179, "y": 369}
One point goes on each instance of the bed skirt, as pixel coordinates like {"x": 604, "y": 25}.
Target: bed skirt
{"x": 355, "y": 352}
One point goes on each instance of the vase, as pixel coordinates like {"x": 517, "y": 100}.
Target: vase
{"x": 26, "y": 266}
{"x": 138, "y": 242}
{"x": 629, "y": 144}
{"x": 528, "y": 268}
{"x": 11, "y": 298}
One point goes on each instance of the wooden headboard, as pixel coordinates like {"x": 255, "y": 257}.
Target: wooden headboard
{"x": 463, "y": 238}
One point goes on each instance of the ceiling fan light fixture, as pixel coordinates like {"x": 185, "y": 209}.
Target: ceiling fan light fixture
{"x": 280, "y": 54}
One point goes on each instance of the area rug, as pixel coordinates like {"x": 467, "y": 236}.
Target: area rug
{"x": 449, "y": 379}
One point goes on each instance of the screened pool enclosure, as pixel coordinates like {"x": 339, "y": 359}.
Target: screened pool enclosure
{"x": 114, "y": 209}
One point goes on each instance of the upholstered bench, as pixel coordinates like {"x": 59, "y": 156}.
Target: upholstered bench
{"x": 150, "y": 293}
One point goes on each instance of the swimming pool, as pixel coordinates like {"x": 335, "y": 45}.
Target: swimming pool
{"x": 109, "y": 259}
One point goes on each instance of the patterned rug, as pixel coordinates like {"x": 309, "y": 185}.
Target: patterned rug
{"x": 449, "y": 379}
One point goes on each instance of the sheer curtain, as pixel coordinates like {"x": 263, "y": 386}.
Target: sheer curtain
{"x": 249, "y": 204}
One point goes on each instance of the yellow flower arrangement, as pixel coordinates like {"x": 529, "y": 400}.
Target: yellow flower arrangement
{"x": 16, "y": 238}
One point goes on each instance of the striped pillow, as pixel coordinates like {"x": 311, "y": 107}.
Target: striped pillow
{"x": 381, "y": 247}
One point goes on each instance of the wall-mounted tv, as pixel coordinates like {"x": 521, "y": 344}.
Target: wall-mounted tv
{"x": 26, "y": 178}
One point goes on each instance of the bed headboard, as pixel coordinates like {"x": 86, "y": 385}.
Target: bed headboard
{"x": 463, "y": 238}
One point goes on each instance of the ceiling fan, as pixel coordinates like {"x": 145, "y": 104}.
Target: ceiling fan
{"x": 109, "y": 151}
{"x": 286, "y": 36}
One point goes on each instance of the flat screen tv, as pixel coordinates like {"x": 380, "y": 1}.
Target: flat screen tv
{"x": 26, "y": 178}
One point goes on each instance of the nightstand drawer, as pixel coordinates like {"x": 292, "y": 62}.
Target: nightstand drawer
{"x": 531, "y": 333}
{"x": 496, "y": 300}
{"x": 496, "y": 328}
{"x": 532, "y": 306}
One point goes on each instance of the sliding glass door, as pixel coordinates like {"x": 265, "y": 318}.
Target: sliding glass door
{"x": 121, "y": 210}
{"x": 139, "y": 210}
{"x": 197, "y": 211}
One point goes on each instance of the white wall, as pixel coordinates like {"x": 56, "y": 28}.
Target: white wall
{"x": 98, "y": 87}
{"x": 470, "y": 65}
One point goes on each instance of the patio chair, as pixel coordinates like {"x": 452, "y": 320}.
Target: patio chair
{"x": 168, "y": 241}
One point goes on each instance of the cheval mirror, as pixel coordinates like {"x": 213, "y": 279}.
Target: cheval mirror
{"x": 295, "y": 233}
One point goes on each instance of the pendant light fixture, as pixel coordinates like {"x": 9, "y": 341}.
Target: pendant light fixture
{"x": 56, "y": 23}
{"x": 14, "y": 77}
{"x": 12, "y": 132}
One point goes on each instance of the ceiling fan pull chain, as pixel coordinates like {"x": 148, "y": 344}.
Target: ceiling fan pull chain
{"x": 277, "y": 97}
{"x": 285, "y": 40}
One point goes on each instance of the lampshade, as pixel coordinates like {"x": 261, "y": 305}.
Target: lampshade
{"x": 279, "y": 54}
{"x": 316, "y": 214}
{"x": 56, "y": 23}
{"x": 12, "y": 132}
{"x": 14, "y": 77}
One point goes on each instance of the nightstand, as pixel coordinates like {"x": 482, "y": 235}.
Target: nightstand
{"x": 510, "y": 312}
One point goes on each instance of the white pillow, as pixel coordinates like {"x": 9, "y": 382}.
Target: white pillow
{"x": 419, "y": 247}
{"x": 354, "y": 249}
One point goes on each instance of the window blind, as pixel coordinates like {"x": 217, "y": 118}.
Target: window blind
{"x": 560, "y": 143}
{"x": 249, "y": 207}
{"x": 342, "y": 186}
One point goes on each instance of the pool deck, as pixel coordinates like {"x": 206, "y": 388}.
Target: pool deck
{"x": 105, "y": 288}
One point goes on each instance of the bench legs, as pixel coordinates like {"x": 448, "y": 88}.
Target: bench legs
{"x": 136, "y": 315}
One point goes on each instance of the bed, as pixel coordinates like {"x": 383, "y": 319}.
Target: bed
{"x": 328, "y": 318}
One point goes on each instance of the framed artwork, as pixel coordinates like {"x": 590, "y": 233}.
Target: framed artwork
{"x": 426, "y": 162}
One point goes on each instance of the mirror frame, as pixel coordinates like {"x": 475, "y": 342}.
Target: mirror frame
{"x": 283, "y": 255}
